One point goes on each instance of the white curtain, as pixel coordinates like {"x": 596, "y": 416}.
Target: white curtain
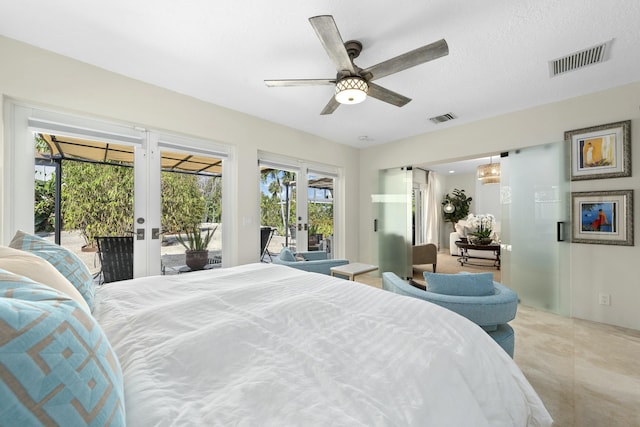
{"x": 419, "y": 194}
{"x": 431, "y": 209}
{"x": 427, "y": 210}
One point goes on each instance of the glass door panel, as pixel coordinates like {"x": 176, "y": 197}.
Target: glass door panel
{"x": 191, "y": 202}
{"x": 535, "y": 211}
{"x": 393, "y": 223}
{"x": 89, "y": 184}
{"x": 320, "y": 213}
{"x": 278, "y": 204}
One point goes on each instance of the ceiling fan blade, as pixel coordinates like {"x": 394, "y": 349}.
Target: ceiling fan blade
{"x": 299, "y": 82}
{"x": 410, "y": 59}
{"x": 331, "y": 106}
{"x": 330, "y": 38}
{"x": 387, "y": 95}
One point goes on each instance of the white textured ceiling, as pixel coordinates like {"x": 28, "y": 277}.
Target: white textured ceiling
{"x": 221, "y": 52}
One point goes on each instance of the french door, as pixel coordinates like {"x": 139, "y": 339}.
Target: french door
{"x": 298, "y": 201}
{"x": 139, "y": 149}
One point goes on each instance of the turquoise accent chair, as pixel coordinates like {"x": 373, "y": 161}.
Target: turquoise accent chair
{"x": 491, "y": 312}
{"x": 314, "y": 261}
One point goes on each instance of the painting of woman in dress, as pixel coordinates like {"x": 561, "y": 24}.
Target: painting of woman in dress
{"x": 598, "y": 152}
{"x": 598, "y": 217}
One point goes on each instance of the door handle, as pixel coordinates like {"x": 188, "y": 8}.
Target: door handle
{"x": 560, "y": 231}
{"x": 140, "y": 234}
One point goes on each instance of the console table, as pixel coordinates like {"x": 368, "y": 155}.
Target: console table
{"x": 464, "y": 250}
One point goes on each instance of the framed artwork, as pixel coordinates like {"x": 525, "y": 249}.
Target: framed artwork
{"x": 600, "y": 151}
{"x": 602, "y": 217}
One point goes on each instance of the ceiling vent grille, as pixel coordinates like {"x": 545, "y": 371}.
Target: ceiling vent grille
{"x": 577, "y": 60}
{"x": 443, "y": 118}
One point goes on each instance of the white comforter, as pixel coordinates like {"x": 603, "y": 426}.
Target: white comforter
{"x": 268, "y": 345}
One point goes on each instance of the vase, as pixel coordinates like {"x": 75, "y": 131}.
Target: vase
{"x": 196, "y": 260}
{"x": 475, "y": 240}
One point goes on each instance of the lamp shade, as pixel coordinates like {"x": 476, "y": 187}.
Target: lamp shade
{"x": 448, "y": 208}
{"x": 489, "y": 173}
{"x": 351, "y": 90}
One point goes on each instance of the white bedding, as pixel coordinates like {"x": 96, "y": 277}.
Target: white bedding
{"x": 264, "y": 344}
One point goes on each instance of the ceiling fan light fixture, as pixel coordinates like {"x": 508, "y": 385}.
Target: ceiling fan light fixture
{"x": 351, "y": 90}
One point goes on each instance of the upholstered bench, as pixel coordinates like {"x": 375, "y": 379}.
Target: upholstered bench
{"x": 475, "y": 296}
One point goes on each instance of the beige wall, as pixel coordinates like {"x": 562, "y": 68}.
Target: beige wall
{"x": 594, "y": 268}
{"x": 42, "y": 78}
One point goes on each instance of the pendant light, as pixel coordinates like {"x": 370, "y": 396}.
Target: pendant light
{"x": 489, "y": 173}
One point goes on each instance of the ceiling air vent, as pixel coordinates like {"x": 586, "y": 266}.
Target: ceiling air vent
{"x": 574, "y": 61}
{"x": 443, "y": 118}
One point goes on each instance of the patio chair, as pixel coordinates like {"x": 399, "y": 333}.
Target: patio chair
{"x": 266, "y": 233}
{"x": 116, "y": 258}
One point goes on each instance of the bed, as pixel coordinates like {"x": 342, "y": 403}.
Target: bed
{"x": 258, "y": 344}
{"x": 264, "y": 344}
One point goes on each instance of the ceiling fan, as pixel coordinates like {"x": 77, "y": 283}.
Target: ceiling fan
{"x": 353, "y": 83}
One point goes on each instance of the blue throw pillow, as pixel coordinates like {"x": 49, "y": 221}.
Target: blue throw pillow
{"x": 56, "y": 365}
{"x": 287, "y": 255}
{"x": 469, "y": 284}
{"x": 65, "y": 261}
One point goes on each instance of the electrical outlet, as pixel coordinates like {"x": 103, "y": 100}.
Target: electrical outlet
{"x": 604, "y": 299}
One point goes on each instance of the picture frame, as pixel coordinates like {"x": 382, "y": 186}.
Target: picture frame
{"x": 602, "y": 217}
{"x": 600, "y": 152}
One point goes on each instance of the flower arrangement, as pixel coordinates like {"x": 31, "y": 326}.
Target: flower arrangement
{"x": 483, "y": 225}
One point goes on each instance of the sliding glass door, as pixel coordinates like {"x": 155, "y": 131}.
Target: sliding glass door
{"x": 535, "y": 220}
{"x": 393, "y": 205}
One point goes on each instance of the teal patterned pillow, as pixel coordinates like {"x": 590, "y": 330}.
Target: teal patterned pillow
{"x": 65, "y": 261}
{"x": 56, "y": 365}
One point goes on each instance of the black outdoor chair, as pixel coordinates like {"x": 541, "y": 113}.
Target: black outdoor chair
{"x": 116, "y": 258}
{"x": 266, "y": 233}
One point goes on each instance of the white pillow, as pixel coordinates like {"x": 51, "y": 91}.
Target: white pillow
{"x": 39, "y": 270}
{"x": 461, "y": 228}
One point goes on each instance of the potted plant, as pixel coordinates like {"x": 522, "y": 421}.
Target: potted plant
{"x": 196, "y": 254}
{"x": 484, "y": 225}
{"x": 456, "y": 207}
